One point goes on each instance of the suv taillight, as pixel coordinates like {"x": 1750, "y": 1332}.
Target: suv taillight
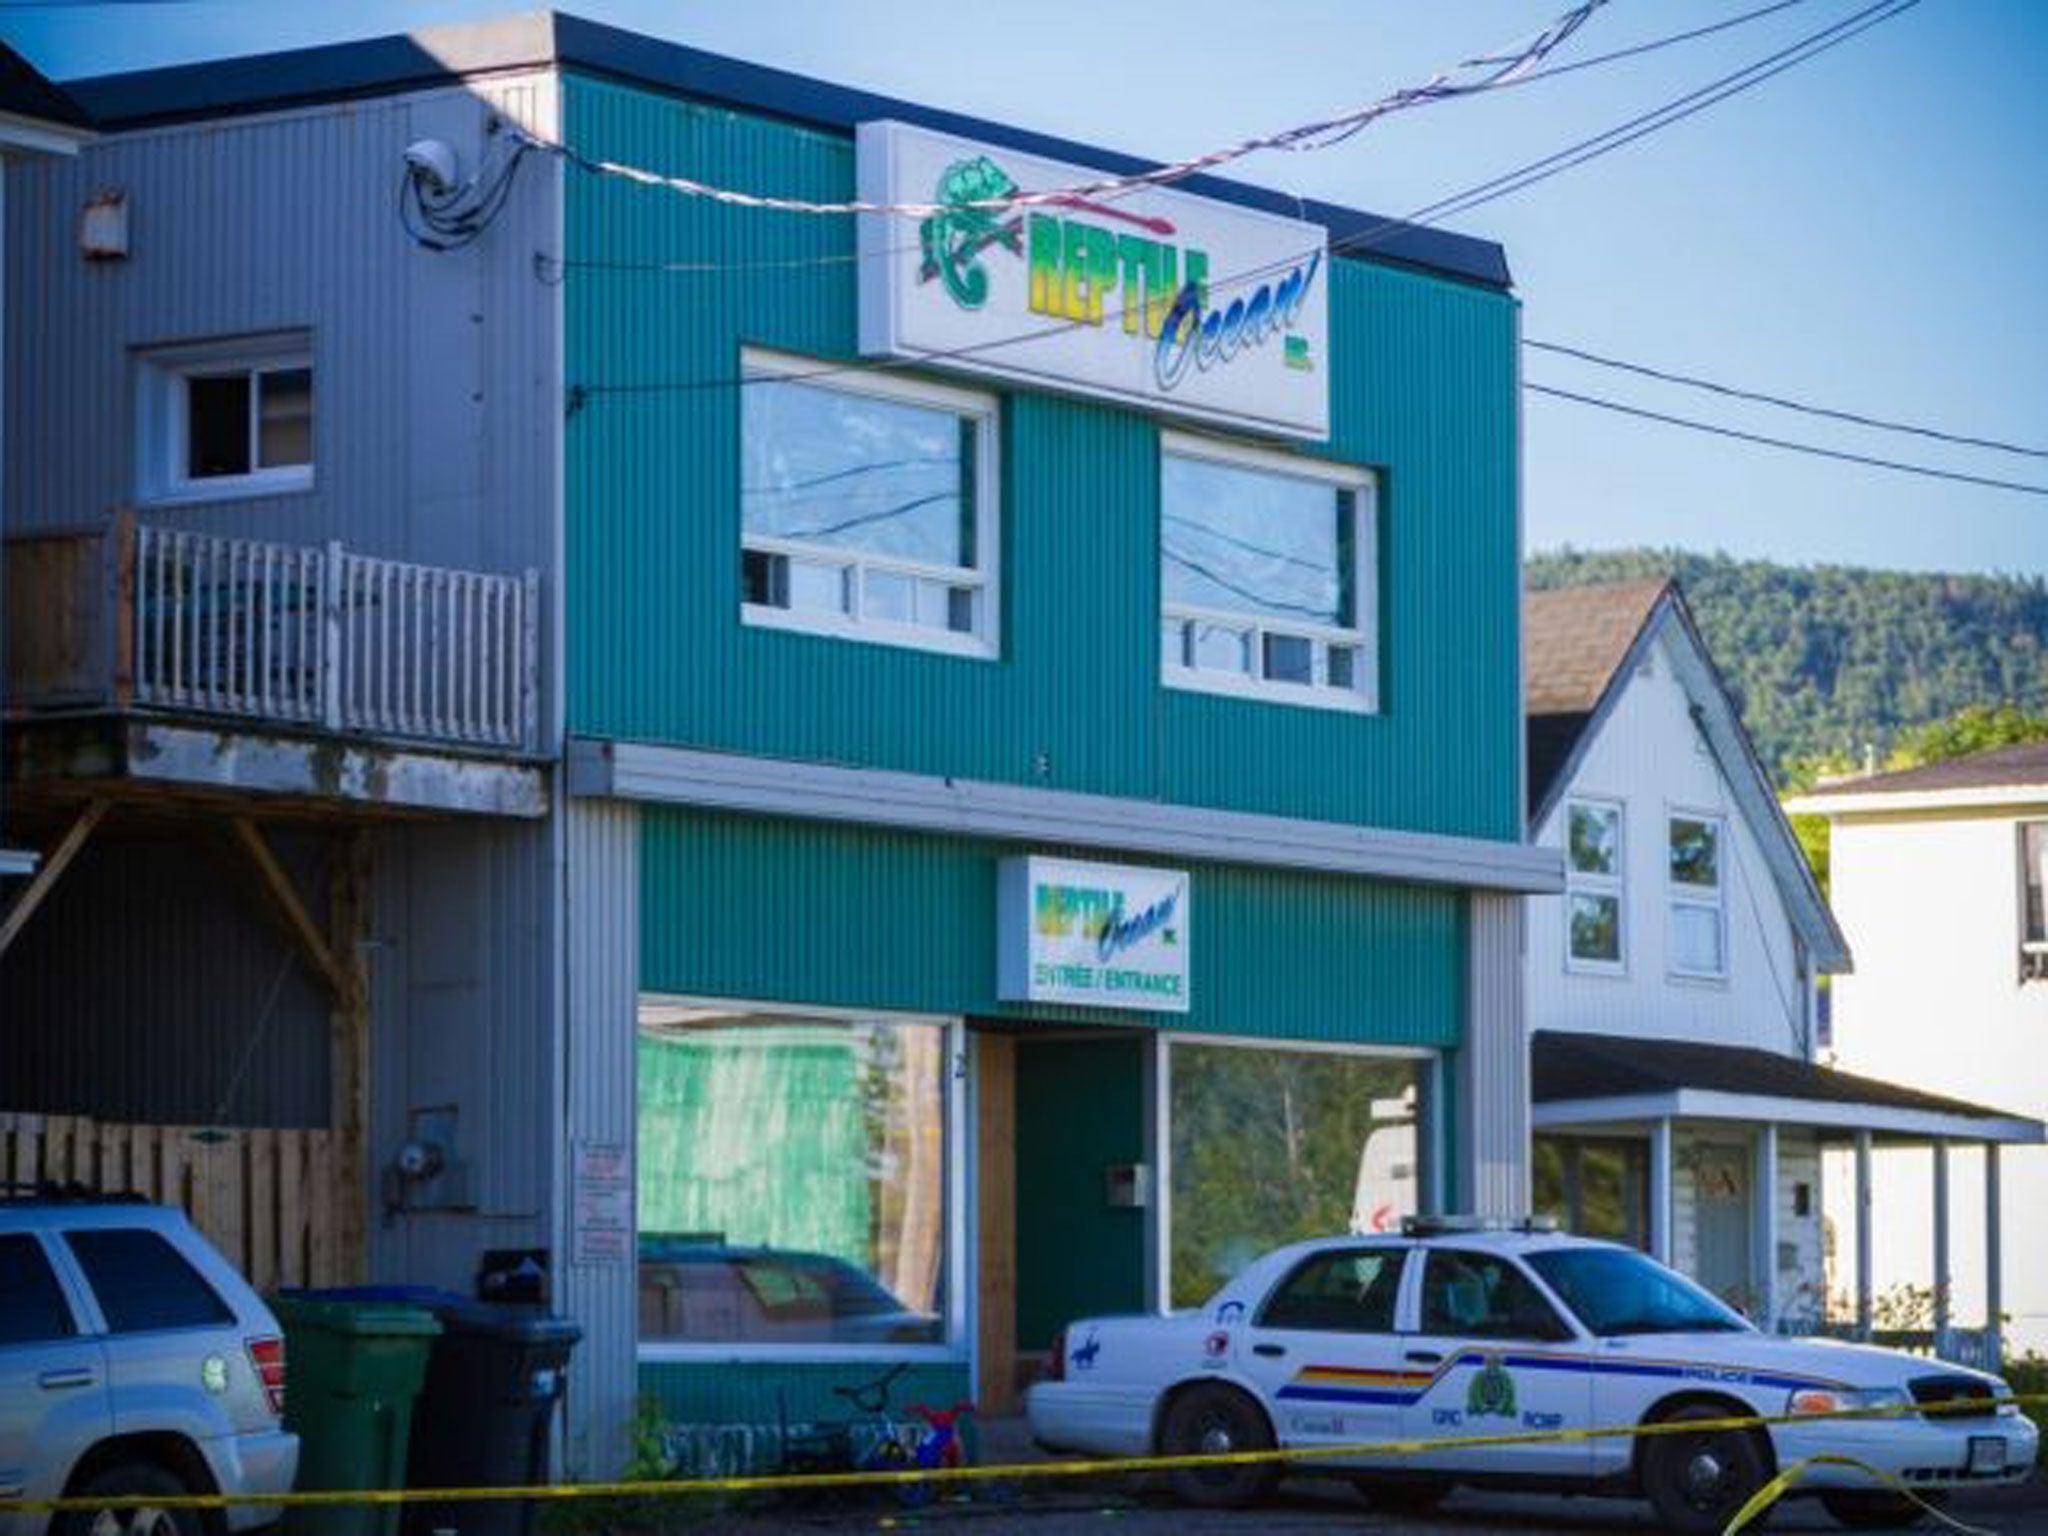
{"x": 267, "y": 1356}
{"x": 1056, "y": 1362}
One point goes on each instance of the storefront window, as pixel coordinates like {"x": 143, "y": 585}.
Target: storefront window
{"x": 791, "y": 1178}
{"x": 1595, "y": 1186}
{"x": 1269, "y": 1146}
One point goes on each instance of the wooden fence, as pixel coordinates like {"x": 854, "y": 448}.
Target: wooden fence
{"x": 264, "y": 1198}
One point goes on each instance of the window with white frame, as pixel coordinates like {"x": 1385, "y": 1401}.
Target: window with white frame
{"x": 2034, "y": 901}
{"x": 1699, "y": 927}
{"x": 795, "y": 1180}
{"x": 868, "y": 506}
{"x": 226, "y": 419}
{"x": 1268, "y": 579}
{"x": 1594, "y": 910}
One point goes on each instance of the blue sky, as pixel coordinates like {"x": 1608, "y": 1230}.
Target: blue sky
{"x": 1865, "y": 231}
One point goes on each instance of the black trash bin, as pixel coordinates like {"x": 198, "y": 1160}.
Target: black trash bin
{"x": 482, "y": 1417}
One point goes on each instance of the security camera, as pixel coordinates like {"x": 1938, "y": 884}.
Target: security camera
{"x": 433, "y": 165}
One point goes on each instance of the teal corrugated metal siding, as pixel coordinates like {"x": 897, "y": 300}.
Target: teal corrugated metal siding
{"x": 1423, "y": 389}
{"x": 812, "y": 912}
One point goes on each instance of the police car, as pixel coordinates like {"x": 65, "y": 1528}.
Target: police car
{"x": 1455, "y": 1330}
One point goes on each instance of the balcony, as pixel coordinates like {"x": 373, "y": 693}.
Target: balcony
{"x": 296, "y": 669}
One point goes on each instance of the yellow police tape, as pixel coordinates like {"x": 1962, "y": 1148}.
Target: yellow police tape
{"x": 1101, "y": 1466}
{"x": 1778, "y": 1486}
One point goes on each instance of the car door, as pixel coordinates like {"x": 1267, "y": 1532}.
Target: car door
{"x": 1503, "y": 1361}
{"x": 54, "y": 1402}
{"x": 1323, "y": 1351}
{"x": 174, "y": 1347}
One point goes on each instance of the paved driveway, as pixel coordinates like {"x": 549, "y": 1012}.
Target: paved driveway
{"x": 1306, "y": 1506}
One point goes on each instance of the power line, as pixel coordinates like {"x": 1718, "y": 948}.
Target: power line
{"x": 1786, "y": 443}
{"x": 1499, "y": 186}
{"x": 1364, "y": 239}
{"x": 1495, "y": 71}
{"x": 1658, "y": 42}
{"x": 1803, "y": 407}
{"x": 1677, "y": 110}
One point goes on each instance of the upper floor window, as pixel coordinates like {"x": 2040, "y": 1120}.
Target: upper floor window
{"x": 1267, "y": 575}
{"x": 1593, "y": 885}
{"x": 2034, "y": 909}
{"x": 226, "y": 419}
{"x": 1699, "y": 928}
{"x": 868, "y": 506}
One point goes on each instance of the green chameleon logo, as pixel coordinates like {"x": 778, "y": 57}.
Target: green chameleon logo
{"x": 953, "y": 241}
{"x": 1492, "y": 1393}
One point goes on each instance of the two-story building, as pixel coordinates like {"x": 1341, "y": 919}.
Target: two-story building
{"x": 1938, "y": 875}
{"x": 36, "y": 119}
{"x": 1019, "y": 798}
{"x": 1680, "y": 1100}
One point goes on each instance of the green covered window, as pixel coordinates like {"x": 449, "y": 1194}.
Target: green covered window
{"x": 867, "y": 506}
{"x": 794, "y": 1178}
{"x": 1270, "y": 1145}
{"x": 1267, "y": 575}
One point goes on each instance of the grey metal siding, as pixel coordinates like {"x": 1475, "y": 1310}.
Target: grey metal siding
{"x": 437, "y": 379}
{"x": 461, "y": 960}
{"x": 1493, "y": 1087}
{"x": 601, "y": 923}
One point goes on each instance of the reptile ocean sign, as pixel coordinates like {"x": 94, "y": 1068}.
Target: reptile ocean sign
{"x": 1101, "y": 935}
{"x": 1155, "y": 297}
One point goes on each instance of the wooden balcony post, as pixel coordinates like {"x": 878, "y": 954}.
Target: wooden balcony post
{"x": 121, "y": 594}
{"x": 348, "y": 917}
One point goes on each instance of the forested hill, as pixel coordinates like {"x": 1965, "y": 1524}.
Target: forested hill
{"x": 1827, "y": 659}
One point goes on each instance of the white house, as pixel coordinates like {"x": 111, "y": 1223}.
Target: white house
{"x": 1678, "y": 1102}
{"x": 1939, "y": 874}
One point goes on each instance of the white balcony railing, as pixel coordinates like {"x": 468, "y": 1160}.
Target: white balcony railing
{"x": 311, "y": 635}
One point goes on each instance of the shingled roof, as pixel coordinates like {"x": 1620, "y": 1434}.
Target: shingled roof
{"x": 1566, "y": 1066}
{"x": 1574, "y": 642}
{"x": 1580, "y": 645}
{"x": 2020, "y": 767}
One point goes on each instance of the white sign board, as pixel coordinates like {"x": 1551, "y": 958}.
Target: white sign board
{"x": 1154, "y": 298}
{"x": 1100, "y": 935}
{"x": 601, "y": 1203}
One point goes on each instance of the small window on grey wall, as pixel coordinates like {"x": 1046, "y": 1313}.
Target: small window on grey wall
{"x": 226, "y": 418}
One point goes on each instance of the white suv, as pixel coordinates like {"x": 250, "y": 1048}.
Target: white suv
{"x": 134, "y": 1361}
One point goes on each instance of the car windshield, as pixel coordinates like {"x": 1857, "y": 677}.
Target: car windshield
{"x": 1616, "y": 1291}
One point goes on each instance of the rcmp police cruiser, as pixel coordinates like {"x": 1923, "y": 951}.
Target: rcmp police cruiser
{"x": 1460, "y": 1330}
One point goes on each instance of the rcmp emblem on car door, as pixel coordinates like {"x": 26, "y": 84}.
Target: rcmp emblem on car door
{"x": 1492, "y": 1393}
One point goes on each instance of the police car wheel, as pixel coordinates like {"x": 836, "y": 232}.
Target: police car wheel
{"x": 1698, "y": 1480}
{"x": 131, "y": 1480}
{"x": 1871, "y": 1509}
{"x": 1213, "y": 1420}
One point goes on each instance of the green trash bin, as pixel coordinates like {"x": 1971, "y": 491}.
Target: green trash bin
{"x": 354, "y": 1368}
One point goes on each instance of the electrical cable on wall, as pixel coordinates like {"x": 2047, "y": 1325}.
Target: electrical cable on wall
{"x": 441, "y": 213}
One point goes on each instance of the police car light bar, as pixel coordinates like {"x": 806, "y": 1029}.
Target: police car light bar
{"x": 1439, "y": 1226}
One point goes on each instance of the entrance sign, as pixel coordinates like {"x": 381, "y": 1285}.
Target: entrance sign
{"x": 1101, "y": 935}
{"x": 1153, "y": 298}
